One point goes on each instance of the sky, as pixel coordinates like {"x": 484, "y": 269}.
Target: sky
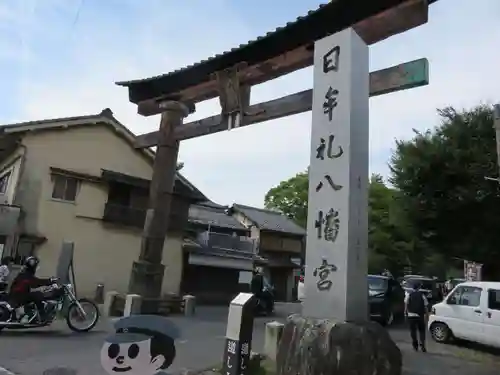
{"x": 62, "y": 58}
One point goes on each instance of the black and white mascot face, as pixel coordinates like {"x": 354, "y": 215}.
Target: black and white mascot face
{"x": 142, "y": 345}
{"x": 132, "y": 358}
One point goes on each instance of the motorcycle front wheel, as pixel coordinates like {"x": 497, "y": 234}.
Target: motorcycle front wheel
{"x": 79, "y": 322}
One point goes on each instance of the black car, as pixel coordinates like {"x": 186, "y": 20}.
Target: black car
{"x": 428, "y": 286}
{"x": 385, "y": 298}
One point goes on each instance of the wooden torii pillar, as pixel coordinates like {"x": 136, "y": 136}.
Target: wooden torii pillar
{"x": 230, "y": 76}
{"x": 147, "y": 273}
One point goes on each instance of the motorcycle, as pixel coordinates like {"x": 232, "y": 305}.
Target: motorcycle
{"x": 265, "y": 304}
{"x": 60, "y": 301}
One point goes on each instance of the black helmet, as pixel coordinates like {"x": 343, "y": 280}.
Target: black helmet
{"x": 31, "y": 263}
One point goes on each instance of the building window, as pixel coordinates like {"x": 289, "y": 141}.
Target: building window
{"x": 4, "y": 182}
{"x": 65, "y": 188}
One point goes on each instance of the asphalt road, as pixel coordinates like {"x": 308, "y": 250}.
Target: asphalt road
{"x": 201, "y": 345}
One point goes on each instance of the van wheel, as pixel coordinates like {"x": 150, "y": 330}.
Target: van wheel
{"x": 440, "y": 332}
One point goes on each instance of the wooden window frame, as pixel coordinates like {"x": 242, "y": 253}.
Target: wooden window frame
{"x": 64, "y": 196}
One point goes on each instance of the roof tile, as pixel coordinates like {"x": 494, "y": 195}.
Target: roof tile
{"x": 270, "y": 220}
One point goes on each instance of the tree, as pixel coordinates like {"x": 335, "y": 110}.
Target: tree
{"x": 290, "y": 197}
{"x": 440, "y": 175}
{"x": 389, "y": 246}
{"x": 391, "y": 242}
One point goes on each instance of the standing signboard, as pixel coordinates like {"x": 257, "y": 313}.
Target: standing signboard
{"x": 472, "y": 271}
{"x": 239, "y": 334}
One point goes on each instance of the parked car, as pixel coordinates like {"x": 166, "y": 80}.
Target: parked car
{"x": 450, "y": 284}
{"x": 428, "y": 287}
{"x": 470, "y": 312}
{"x": 385, "y": 298}
{"x": 455, "y": 281}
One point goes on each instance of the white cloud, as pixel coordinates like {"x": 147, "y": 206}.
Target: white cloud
{"x": 70, "y": 69}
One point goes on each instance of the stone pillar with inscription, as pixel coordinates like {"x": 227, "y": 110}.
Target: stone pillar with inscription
{"x": 147, "y": 273}
{"x": 335, "y": 310}
{"x": 337, "y": 227}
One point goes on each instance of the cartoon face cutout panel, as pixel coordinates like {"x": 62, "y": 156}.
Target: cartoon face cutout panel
{"x": 141, "y": 346}
{"x": 136, "y": 357}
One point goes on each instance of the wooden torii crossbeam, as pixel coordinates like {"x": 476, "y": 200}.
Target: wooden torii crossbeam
{"x": 230, "y": 77}
{"x": 400, "y": 77}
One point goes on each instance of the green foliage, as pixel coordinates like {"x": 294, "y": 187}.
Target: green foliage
{"x": 290, "y": 197}
{"x": 388, "y": 241}
{"x": 441, "y": 207}
{"x": 441, "y": 174}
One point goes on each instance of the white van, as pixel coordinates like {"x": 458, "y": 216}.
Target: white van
{"x": 471, "y": 311}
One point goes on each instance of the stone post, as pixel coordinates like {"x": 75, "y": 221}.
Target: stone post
{"x": 147, "y": 273}
{"x": 132, "y": 305}
{"x": 109, "y": 301}
{"x": 189, "y": 305}
{"x": 272, "y": 338}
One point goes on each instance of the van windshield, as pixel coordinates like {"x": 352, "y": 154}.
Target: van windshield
{"x": 377, "y": 283}
{"x": 426, "y": 284}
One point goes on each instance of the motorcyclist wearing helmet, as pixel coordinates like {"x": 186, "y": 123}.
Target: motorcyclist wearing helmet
{"x": 257, "y": 283}
{"x": 21, "y": 292}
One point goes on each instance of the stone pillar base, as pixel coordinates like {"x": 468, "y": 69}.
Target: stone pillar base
{"x": 146, "y": 279}
{"x": 313, "y": 346}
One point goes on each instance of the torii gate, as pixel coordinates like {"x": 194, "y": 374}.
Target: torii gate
{"x": 230, "y": 77}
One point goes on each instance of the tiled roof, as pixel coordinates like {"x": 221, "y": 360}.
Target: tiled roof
{"x": 210, "y": 213}
{"x": 328, "y": 18}
{"x": 269, "y": 220}
{"x": 104, "y": 117}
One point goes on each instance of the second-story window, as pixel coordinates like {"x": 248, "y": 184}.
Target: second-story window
{"x": 4, "y": 182}
{"x": 65, "y": 188}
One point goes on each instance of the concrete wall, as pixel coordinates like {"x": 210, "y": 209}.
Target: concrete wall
{"x": 103, "y": 253}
